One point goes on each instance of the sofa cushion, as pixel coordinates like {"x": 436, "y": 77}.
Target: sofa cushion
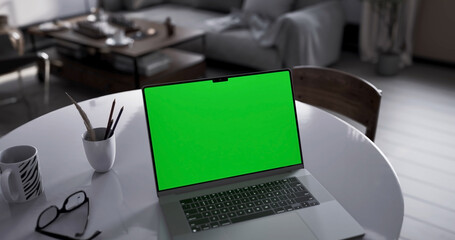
{"x": 138, "y": 4}
{"x": 268, "y": 8}
{"x": 238, "y": 46}
{"x": 220, "y": 6}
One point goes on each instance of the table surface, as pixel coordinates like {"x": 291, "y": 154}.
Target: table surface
{"x": 138, "y": 48}
{"x": 123, "y": 201}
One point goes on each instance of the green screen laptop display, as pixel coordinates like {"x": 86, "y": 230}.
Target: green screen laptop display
{"x": 208, "y": 130}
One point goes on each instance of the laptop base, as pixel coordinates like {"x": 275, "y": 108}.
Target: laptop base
{"x": 329, "y": 220}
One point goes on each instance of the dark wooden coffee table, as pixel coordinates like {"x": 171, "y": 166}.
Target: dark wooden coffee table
{"x": 184, "y": 65}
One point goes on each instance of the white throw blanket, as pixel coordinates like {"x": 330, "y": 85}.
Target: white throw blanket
{"x": 315, "y": 32}
{"x": 257, "y": 25}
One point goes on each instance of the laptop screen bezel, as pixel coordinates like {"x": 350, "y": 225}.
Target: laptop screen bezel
{"x": 229, "y": 180}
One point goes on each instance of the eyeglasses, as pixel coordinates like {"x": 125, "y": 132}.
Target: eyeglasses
{"x": 50, "y": 214}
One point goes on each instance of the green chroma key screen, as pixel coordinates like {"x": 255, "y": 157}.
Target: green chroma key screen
{"x": 208, "y": 130}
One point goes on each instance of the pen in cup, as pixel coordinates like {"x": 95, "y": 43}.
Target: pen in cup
{"x": 116, "y": 121}
{"x": 108, "y": 128}
{"x": 109, "y": 120}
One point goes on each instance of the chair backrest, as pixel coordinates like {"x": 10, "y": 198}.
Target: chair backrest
{"x": 340, "y": 92}
{"x": 14, "y": 34}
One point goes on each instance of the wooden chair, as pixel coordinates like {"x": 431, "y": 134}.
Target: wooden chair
{"x": 340, "y": 92}
{"x": 17, "y": 62}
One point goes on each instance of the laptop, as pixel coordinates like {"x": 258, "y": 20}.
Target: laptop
{"x": 228, "y": 163}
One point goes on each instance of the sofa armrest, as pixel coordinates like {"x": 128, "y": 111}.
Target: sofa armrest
{"x": 312, "y": 35}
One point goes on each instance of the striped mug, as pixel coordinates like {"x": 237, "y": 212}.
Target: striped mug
{"x": 20, "y": 179}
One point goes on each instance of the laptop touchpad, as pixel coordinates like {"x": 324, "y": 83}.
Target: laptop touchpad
{"x": 281, "y": 226}
{"x": 331, "y": 221}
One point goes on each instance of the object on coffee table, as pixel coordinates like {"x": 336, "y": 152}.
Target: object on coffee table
{"x": 169, "y": 27}
{"x": 95, "y": 30}
{"x": 122, "y": 43}
{"x": 121, "y": 21}
{"x": 54, "y": 26}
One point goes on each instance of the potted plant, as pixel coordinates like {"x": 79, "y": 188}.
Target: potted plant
{"x": 389, "y": 55}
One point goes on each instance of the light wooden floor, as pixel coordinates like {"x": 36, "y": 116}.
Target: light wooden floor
{"x": 416, "y": 132}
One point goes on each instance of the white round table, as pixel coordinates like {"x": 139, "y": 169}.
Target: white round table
{"x": 123, "y": 201}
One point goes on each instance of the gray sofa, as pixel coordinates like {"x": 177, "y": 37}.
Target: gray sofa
{"x": 302, "y": 32}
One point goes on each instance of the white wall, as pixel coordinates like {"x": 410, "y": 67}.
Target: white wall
{"x": 25, "y": 12}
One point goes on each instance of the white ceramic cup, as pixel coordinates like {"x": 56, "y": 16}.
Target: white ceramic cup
{"x": 20, "y": 177}
{"x": 100, "y": 153}
{"x": 119, "y": 35}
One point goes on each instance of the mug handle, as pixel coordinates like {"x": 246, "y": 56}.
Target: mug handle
{"x": 5, "y": 176}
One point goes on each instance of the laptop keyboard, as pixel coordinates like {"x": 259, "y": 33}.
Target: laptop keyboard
{"x": 246, "y": 203}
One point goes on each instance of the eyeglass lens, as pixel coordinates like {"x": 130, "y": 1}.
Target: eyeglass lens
{"x": 48, "y": 215}
{"x": 74, "y": 201}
